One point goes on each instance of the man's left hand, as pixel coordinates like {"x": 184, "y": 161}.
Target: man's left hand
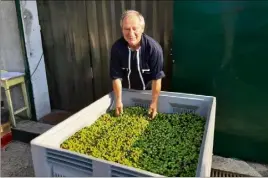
{"x": 153, "y": 110}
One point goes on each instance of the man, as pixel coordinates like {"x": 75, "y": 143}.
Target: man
{"x": 136, "y": 61}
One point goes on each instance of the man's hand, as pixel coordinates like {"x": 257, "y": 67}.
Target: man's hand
{"x": 153, "y": 110}
{"x": 118, "y": 108}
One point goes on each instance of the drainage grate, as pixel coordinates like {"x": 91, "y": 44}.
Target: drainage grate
{"x": 221, "y": 173}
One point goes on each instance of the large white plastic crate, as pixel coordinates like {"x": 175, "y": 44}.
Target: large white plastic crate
{"x": 50, "y": 160}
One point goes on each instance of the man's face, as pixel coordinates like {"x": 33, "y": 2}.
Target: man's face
{"x": 132, "y": 30}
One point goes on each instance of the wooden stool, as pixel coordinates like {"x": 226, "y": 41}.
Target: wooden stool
{"x": 8, "y": 80}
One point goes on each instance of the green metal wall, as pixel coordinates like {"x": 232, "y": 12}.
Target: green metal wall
{"x": 221, "y": 49}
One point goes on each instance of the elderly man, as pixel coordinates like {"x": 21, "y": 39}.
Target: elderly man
{"x": 136, "y": 61}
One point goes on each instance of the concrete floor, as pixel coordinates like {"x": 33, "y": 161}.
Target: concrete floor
{"x": 16, "y": 161}
{"x": 239, "y": 166}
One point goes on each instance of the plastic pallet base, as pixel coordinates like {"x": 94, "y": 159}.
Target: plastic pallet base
{"x": 6, "y": 139}
{"x": 221, "y": 173}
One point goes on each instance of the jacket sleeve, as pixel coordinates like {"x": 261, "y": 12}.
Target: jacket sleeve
{"x": 156, "y": 64}
{"x": 115, "y": 67}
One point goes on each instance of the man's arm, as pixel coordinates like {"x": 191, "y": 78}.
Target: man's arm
{"x": 117, "y": 88}
{"x": 157, "y": 75}
{"x": 156, "y": 88}
{"x": 116, "y": 76}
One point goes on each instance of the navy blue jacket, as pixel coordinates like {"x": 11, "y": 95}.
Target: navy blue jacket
{"x": 138, "y": 68}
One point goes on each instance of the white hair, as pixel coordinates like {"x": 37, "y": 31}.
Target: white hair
{"x": 129, "y": 12}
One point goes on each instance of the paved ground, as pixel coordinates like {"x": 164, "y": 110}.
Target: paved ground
{"x": 16, "y": 161}
{"x": 262, "y": 169}
{"x": 240, "y": 167}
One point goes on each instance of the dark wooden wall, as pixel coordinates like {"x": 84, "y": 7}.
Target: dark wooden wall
{"x": 77, "y": 37}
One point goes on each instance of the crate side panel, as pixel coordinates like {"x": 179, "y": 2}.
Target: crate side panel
{"x": 67, "y": 164}
{"x": 206, "y": 150}
{"x": 117, "y": 171}
{"x": 40, "y": 164}
{"x": 87, "y": 116}
{"x": 169, "y": 103}
{"x": 59, "y": 170}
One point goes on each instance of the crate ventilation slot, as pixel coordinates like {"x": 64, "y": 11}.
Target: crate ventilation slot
{"x": 57, "y": 175}
{"x": 182, "y": 108}
{"x": 70, "y": 161}
{"x": 221, "y": 173}
{"x": 121, "y": 172}
{"x": 141, "y": 103}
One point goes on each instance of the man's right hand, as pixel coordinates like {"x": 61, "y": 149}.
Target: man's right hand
{"x": 119, "y": 108}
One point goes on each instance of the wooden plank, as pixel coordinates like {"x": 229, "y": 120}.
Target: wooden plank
{"x": 69, "y": 58}
{"x": 93, "y": 33}
{"x": 20, "y": 110}
{"x": 49, "y": 48}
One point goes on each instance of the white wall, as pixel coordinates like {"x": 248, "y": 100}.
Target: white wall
{"x": 34, "y": 50}
{"x": 11, "y": 56}
{"x": 10, "y": 48}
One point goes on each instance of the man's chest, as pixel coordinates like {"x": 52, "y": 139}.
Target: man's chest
{"x": 134, "y": 59}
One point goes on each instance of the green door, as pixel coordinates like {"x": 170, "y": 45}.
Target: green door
{"x": 221, "y": 49}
